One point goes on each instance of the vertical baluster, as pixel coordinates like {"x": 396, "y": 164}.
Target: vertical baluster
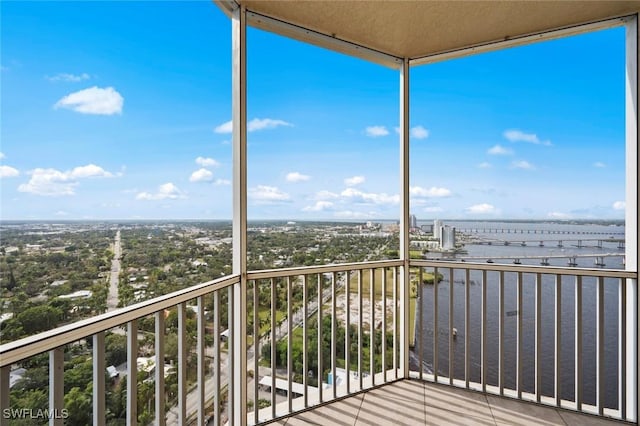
{"x": 289, "y": 344}
{"x": 395, "y": 323}
{"x": 56, "y": 384}
{"x": 201, "y": 360}
{"x": 273, "y": 348}
{"x": 436, "y": 353}
{"x": 578, "y": 343}
{"x": 132, "y": 372}
{"x": 519, "y": 335}
{"x": 558, "y": 340}
{"x": 600, "y": 345}
{"x": 419, "y": 307}
{"x": 333, "y": 334}
{"x": 372, "y": 326}
{"x": 182, "y": 363}
{"x": 501, "y": 332}
{"x": 98, "y": 380}
{"x": 467, "y": 331}
{"x": 538, "y": 337}
{"x": 347, "y": 334}
{"x": 384, "y": 325}
{"x": 216, "y": 362}
{"x": 159, "y": 374}
{"x": 622, "y": 347}
{"x": 4, "y": 393}
{"x": 305, "y": 345}
{"x": 483, "y": 339}
{"x": 450, "y": 326}
{"x": 231, "y": 354}
{"x": 360, "y": 328}
{"x": 256, "y": 349}
{"x": 320, "y": 339}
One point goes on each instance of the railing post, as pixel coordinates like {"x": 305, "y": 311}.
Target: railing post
{"x": 56, "y": 385}
{"x": 237, "y": 330}
{"x": 98, "y": 380}
{"x": 4, "y": 393}
{"x": 404, "y": 218}
{"x": 631, "y": 219}
{"x": 132, "y": 372}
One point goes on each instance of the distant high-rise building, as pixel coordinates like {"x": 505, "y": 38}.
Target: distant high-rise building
{"x": 447, "y": 237}
{"x": 437, "y": 224}
{"x": 413, "y": 221}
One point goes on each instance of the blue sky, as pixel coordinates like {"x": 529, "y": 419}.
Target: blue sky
{"x": 120, "y": 110}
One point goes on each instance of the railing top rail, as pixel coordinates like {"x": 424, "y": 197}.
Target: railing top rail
{"x": 29, "y": 346}
{"x": 552, "y": 270}
{"x": 306, "y": 270}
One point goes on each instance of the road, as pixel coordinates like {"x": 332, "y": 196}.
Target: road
{"x": 114, "y": 276}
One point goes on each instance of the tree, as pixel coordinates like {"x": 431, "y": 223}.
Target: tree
{"x": 79, "y": 406}
{"x": 39, "y": 318}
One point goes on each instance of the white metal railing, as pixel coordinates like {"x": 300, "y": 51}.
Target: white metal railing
{"x": 347, "y": 318}
{"x": 324, "y": 293}
{"x": 533, "y": 340}
{"x": 54, "y": 342}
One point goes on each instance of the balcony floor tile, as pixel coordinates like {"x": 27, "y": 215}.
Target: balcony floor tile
{"x": 412, "y": 402}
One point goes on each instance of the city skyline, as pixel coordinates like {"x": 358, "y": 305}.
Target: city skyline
{"x": 105, "y": 118}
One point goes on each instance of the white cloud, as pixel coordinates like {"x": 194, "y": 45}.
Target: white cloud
{"x": 376, "y": 131}
{"x": 69, "y": 77}
{"x": 484, "y": 165}
{"x": 558, "y": 215}
{"x": 201, "y": 175}
{"x": 499, "y": 150}
{"x": 93, "y": 100}
{"x": 433, "y": 209}
{"x": 599, "y": 165}
{"x": 207, "y": 162}
{"x": 8, "y": 171}
{"x": 267, "y": 194}
{"x": 419, "y": 132}
{"x": 418, "y": 191}
{"x": 265, "y": 123}
{"x": 224, "y": 127}
{"x": 297, "y": 177}
{"x": 325, "y": 195}
{"x": 522, "y": 164}
{"x": 90, "y": 170}
{"x": 319, "y": 206}
{"x": 519, "y": 136}
{"x": 253, "y": 125}
{"x": 483, "y": 208}
{"x": 348, "y": 214}
{"x": 222, "y": 182}
{"x": 2, "y": 156}
{"x": 52, "y": 182}
{"x": 61, "y": 213}
{"x": 166, "y": 191}
{"x": 619, "y": 205}
{"x": 354, "y": 180}
{"x": 369, "y": 197}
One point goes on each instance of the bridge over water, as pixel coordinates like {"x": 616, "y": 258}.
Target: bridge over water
{"x": 579, "y": 243}
{"x": 598, "y": 259}
{"x": 485, "y": 230}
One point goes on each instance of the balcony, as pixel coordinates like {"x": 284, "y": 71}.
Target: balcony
{"x": 371, "y": 351}
{"x": 495, "y": 343}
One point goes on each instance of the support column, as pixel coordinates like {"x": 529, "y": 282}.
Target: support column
{"x": 237, "y": 329}
{"x": 404, "y": 219}
{"x": 631, "y": 219}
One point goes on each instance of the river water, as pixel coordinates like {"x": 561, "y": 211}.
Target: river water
{"x": 550, "y": 234}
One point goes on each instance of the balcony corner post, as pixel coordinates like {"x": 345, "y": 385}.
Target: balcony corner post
{"x": 237, "y": 327}
{"x": 404, "y": 218}
{"x": 631, "y": 219}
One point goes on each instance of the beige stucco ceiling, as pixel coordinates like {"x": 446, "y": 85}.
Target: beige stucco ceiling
{"x": 413, "y": 29}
